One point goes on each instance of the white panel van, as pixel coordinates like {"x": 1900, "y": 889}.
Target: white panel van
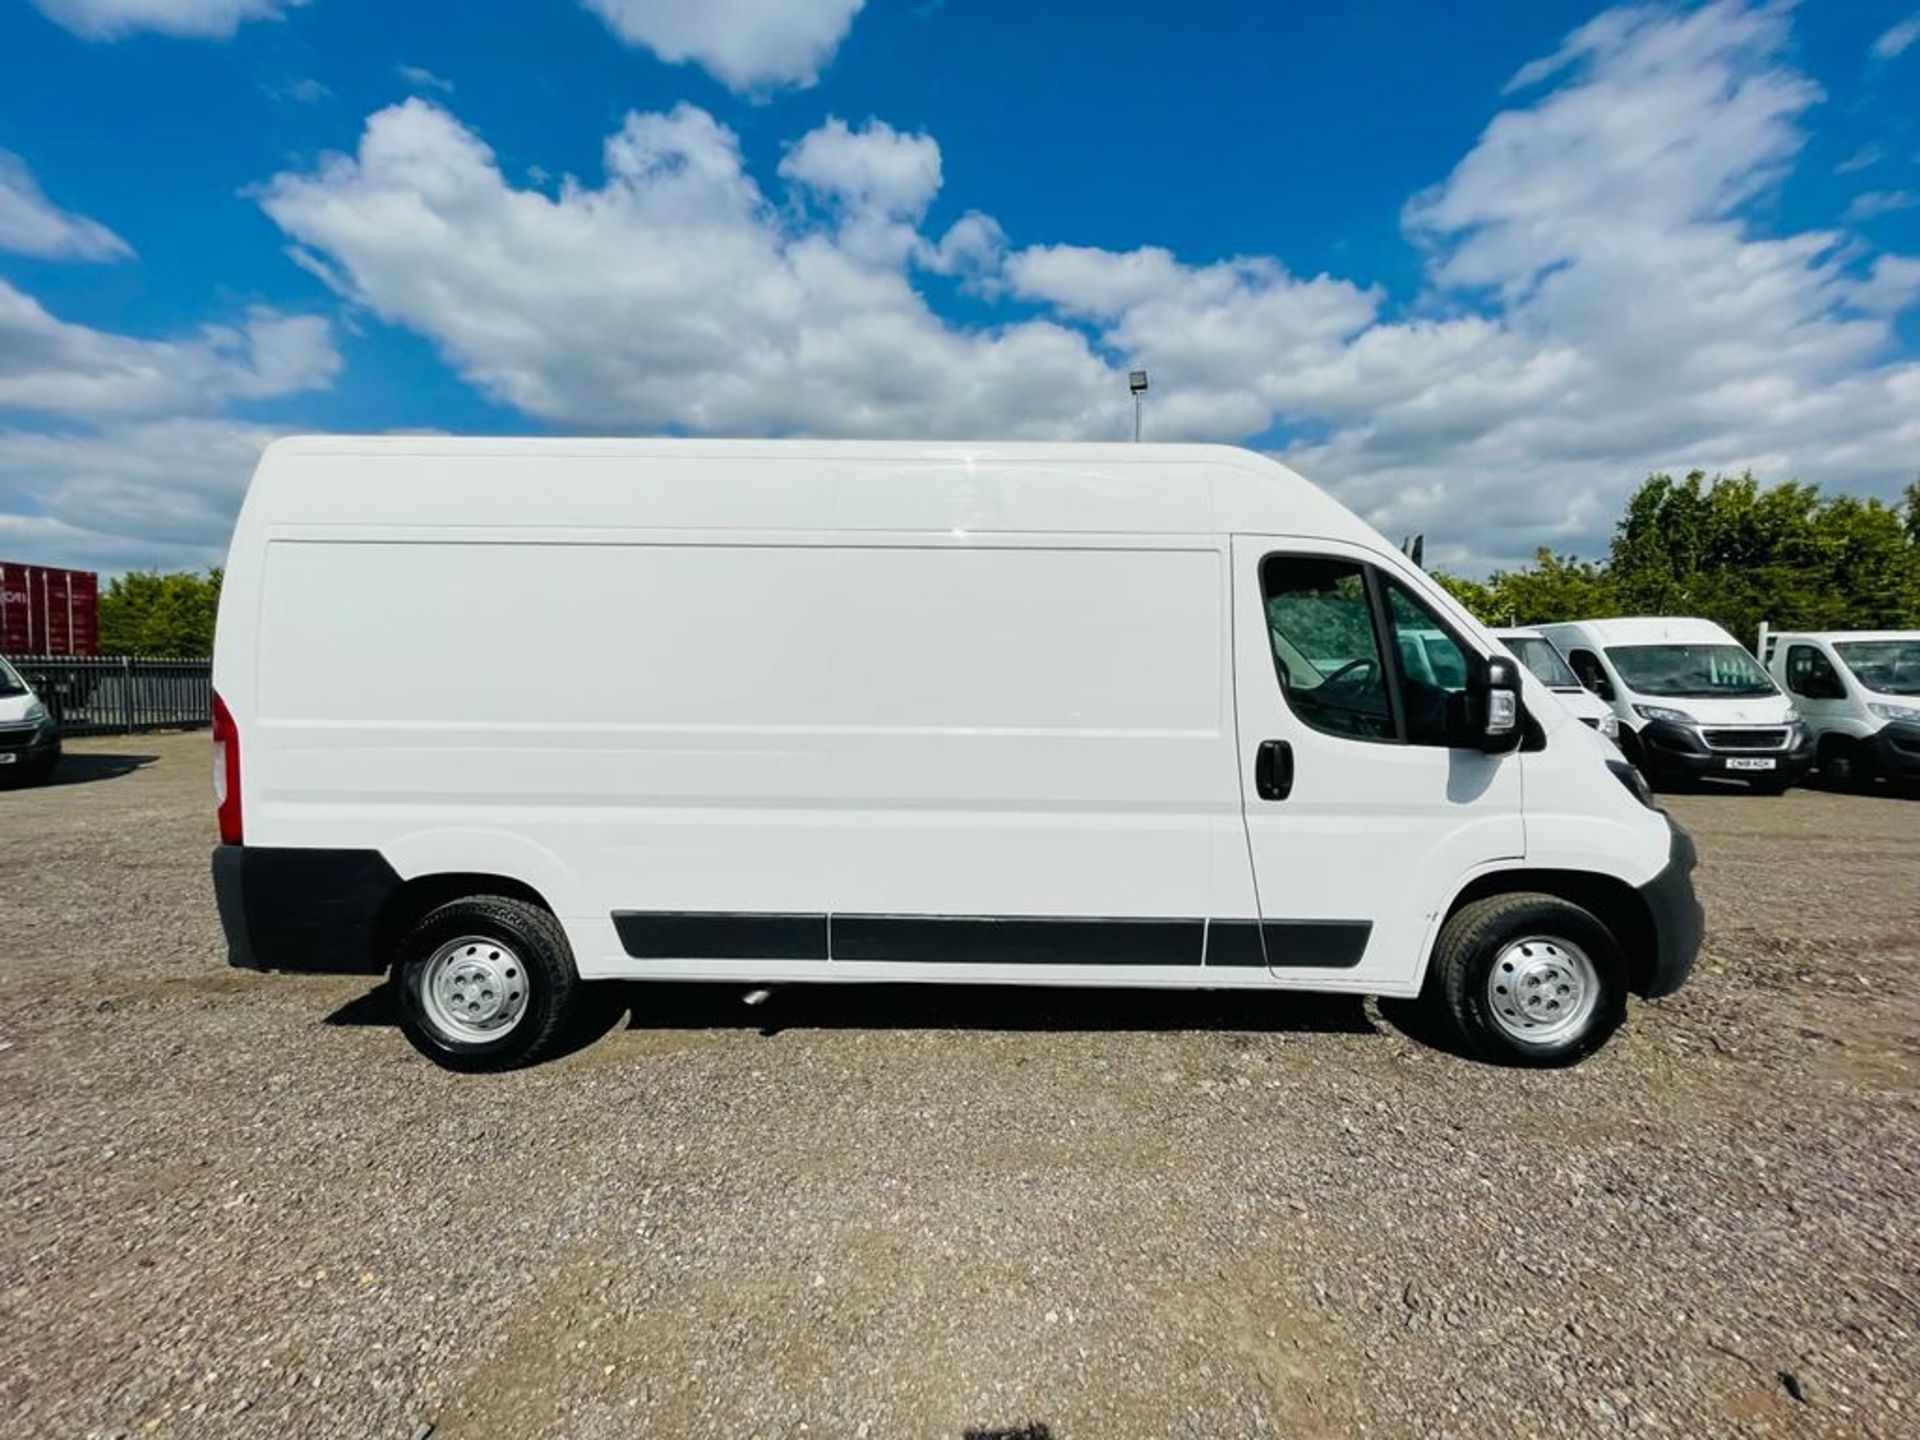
{"x": 1859, "y": 693}
{"x": 509, "y": 717}
{"x": 1691, "y": 700}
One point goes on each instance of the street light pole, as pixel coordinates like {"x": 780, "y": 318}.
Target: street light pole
{"x": 1137, "y": 383}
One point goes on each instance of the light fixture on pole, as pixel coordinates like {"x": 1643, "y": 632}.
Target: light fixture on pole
{"x": 1137, "y": 383}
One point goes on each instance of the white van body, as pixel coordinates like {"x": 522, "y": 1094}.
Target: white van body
{"x": 1550, "y": 668}
{"x": 1690, "y": 699}
{"x": 29, "y": 738}
{"x": 810, "y": 711}
{"x": 1859, "y": 693}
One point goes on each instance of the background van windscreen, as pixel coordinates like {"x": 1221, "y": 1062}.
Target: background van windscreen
{"x": 1700, "y": 671}
{"x": 1890, "y": 666}
{"x": 1539, "y": 656}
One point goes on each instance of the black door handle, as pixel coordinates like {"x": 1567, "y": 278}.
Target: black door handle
{"x": 1273, "y": 770}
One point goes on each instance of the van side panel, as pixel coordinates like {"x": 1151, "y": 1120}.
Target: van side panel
{"x": 875, "y": 725}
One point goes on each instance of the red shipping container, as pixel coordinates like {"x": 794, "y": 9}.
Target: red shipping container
{"x": 48, "y": 612}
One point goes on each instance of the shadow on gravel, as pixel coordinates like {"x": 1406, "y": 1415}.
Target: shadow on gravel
{"x": 81, "y": 769}
{"x": 673, "y": 1005}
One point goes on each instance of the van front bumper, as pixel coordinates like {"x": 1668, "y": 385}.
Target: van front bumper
{"x": 1896, "y": 750}
{"x": 29, "y": 747}
{"x": 316, "y": 911}
{"x": 1679, "y": 922}
{"x": 1673, "y": 752}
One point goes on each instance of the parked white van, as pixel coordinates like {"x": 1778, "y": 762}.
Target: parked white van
{"x": 1691, "y": 700}
{"x": 507, "y": 717}
{"x": 29, "y": 739}
{"x": 1536, "y": 652}
{"x": 1859, "y": 693}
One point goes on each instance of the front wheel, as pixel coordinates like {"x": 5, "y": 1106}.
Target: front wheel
{"x": 486, "y": 983}
{"x": 1528, "y": 979}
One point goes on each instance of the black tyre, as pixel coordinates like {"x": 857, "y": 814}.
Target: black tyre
{"x": 486, "y": 983}
{"x": 1527, "y": 979}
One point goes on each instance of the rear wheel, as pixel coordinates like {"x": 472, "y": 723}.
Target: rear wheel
{"x": 486, "y": 983}
{"x": 1528, "y": 979}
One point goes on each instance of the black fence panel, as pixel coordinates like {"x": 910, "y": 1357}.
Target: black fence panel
{"x": 118, "y": 694}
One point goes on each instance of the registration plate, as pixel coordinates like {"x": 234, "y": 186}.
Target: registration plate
{"x": 7, "y": 758}
{"x": 1745, "y": 763}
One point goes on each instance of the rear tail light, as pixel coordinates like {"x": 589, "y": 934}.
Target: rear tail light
{"x": 226, "y": 772}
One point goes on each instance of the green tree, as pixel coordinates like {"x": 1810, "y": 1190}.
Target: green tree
{"x": 1476, "y": 595}
{"x": 1555, "y": 587}
{"x": 147, "y": 613}
{"x": 1732, "y": 551}
{"x": 1739, "y": 554}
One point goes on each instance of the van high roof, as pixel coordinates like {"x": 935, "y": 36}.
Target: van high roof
{"x": 824, "y": 485}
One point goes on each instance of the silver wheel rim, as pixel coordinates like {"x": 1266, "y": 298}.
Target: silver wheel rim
{"x": 1542, "y": 991}
{"x": 473, "y": 989}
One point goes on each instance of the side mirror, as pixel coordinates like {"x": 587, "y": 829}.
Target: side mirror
{"x": 1601, "y": 686}
{"x": 1491, "y": 721}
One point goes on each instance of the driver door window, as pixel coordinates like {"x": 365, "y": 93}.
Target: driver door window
{"x": 1810, "y": 675}
{"x": 1326, "y": 649}
{"x": 1592, "y": 674}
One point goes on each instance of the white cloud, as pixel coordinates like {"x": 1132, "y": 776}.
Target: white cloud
{"x": 1897, "y": 39}
{"x": 874, "y": 169}
{"x": 128, "y": 495}
{"x": 1872, "y": 204}
{"x": 422, "y": 78}
{"x": 193, "y": 19}
{"x": 49, "y": 366}
{"x": 675, "y": 294}
{"x": 973, "y": 248}
{"x": 305, "y": 91}
{"x": 748, "y": 45}
{"x": 1864, "y": 158}
{"x": 30, "y": 224}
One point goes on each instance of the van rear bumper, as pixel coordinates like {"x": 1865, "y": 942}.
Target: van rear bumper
{"x": 316, "y": 911}
{"x": 1679, "y": 923}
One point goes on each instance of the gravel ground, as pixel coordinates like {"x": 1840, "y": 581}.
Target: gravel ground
{"x": 240, "y": 1205}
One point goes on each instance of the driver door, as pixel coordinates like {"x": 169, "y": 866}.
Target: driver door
{"x": 1361, "y": 820}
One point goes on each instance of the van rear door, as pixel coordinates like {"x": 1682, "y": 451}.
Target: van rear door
{"x": 1362, "y": 821}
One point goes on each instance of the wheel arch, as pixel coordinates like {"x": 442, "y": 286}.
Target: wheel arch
{"x": 436, "y": 866}
{"x": 414, "y": 898}
{"x": 1612, "y": 901}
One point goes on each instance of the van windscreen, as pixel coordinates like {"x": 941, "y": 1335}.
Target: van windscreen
{"x": 1890, "y": 666}
{"x": 1701, "y": 672}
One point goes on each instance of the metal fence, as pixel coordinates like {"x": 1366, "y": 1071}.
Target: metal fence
{"x": 118, "y": 694}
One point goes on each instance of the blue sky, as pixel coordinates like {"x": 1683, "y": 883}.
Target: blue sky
{"x": 1478, "y": 268}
